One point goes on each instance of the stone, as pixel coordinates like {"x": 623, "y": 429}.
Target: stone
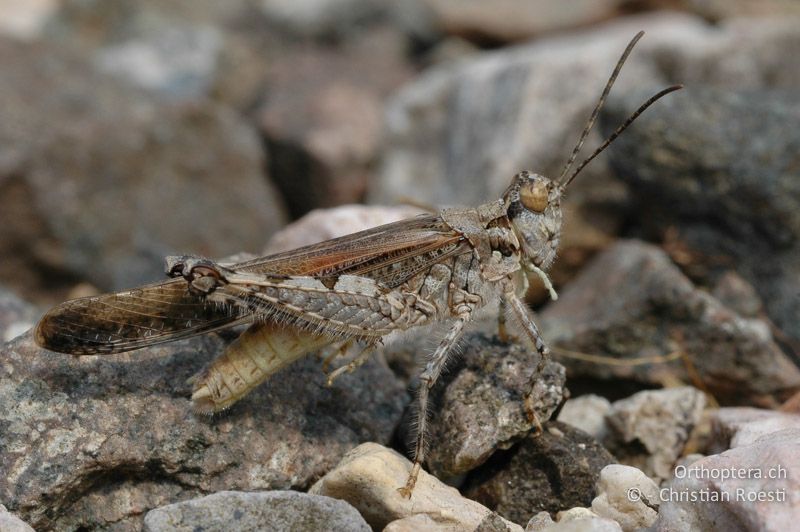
{"x": 651, "y": 428}
{"x": 368, "y": 477}
{"x": 515, "y": 20}
{"x": 539, "y": 522}
{"x": 736, "y": 427}
{"x": 633, "y": 304}
{"x": 321, "y": 118}
{"x": 574, "y": 520}
{"x": 98, "y": 181}
{"x": 16, "y": 315}
{"x": 326, "y": 224}
{"x": 119, "y": 430}
{"x": 586, "y": 413}
{"x": 728, "y": 204}
{"x": 750, "y": 487}
{"x": 626, "y": 495}
{"x": 11, "y": 523}
{"x": 733, "y": 291}
{"x": 187, "y": 50}
{"x": 270, "y": 510}
{"x": 25, "y": 20}
{"x": 554, "y": 471}
{"x": 478, "y": 402}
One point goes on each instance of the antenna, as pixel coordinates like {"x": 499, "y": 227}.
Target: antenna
{"x": 600, "y": 103}
{"x": 622, "y": 128}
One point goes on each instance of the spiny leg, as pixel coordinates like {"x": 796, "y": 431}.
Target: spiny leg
{"x": 335, "y": 351}
{"x": 525, "y": 317}
{"x": 502, "y": 330}
{"x": 427, "y": 380}
{"x": 354, "y": 364}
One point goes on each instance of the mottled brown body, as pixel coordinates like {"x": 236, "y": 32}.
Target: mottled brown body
{"x": 356, "y": 289}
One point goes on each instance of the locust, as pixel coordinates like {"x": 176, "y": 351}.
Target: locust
{"x": 355, "y": 290}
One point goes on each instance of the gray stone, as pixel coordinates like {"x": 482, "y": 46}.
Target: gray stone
{"x": 16, "y": 315}
{"x": 758, "y": 491}
{"x": 729, "y": 202}
{"x": 477, "y": 405}
{"x": 587, "y": 413}
{"x": 119, "y": 430}
{"x": 550, "y": 472}
{"x": 368, "y": 477}
{"x": 651, "y": 428}
{"x": 321, "y": 117}
{"x": 245, "y": 511}
{"x": 539, "y": 522}
{"x": 632, "y": 302}
{"x": 99, "y": 181}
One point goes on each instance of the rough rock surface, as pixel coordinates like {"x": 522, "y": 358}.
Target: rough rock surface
{"x": 554, "y": 471}
{"x": 245, "y": 511}
{"x": 477, "y": 405}
{"x": 368, "y": 477}
{"x": 632, "y": 301}
{"x": 730, "y": 201}
{"x": 99, "y": 181}
{"x": 626, "y": 495}
{"x": 97, "y": 440}
{"x": 651, "y": 428}
{"x": 759, "y": 493}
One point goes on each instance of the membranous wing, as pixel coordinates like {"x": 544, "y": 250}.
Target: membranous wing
{"x": 166, "y": 311}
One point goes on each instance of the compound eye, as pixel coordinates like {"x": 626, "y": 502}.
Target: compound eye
{"x": 534, "y": 196}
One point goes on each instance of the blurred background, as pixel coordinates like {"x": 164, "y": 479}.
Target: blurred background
{"x": 131, "y": 130}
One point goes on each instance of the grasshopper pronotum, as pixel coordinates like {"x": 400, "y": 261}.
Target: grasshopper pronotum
{"x": 358, "y": 288}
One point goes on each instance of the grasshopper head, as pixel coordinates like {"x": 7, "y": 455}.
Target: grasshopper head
{"x": 533, "y": 206}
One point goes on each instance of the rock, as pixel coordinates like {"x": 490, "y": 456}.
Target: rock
{"x": 729, "y": 203}
{"x": 119, "y": 430}
{"x": 632, "y": 302}
{"x": 186, "y": 50}
{"x": 751, "y": 487}
{"x": 11, "y": 523}
{"x": 16, "y": 315}
{"x": 325, "y": 224}
{"x": 587, "y": 413}
{"x": 321, "y": 118}
{"x": 738, "y": 295}
{"x": 478, "y": 403}
{"x": 515, "y": 20}
{"x": 368, "y": 477}
{"x": 271, "y": 510}
{"x": 551, "y": 472}
{"x": 539, "y": 522}
{"x": 582, "y": 520}
{"x": 25, "y": 20}
{"x": 88, "y": 199}
{"x": 626, "y": 495}
{"x": 651, "y": 428}
{"x": 736, "y": 427}
{"x": 458, "y": 133}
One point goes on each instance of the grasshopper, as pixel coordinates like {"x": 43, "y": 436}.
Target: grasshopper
{"x": 356, "y": 289}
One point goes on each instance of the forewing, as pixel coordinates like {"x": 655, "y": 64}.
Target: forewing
{"x": 122, "y": 321}
{"x": 161, "y": 312}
